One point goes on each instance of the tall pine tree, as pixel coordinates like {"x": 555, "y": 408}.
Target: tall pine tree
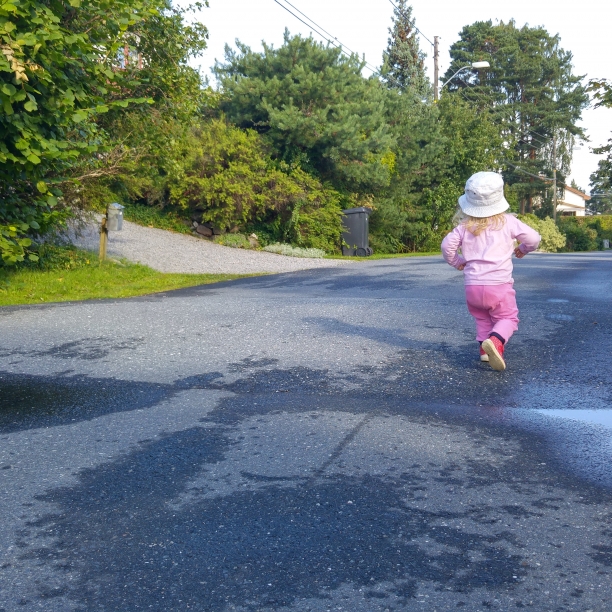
{"x": 403, "y": 61}
{"x": 601, "y": 179}
{"x": 315, "y": 109}
{"x": 533, "y": 93}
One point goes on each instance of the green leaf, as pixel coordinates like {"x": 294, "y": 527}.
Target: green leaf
{"x": 8, "y": 89}
{"x": 32, "y": 158}
{"x": 33, "y": 257}
{"x": 79, "y": 116}
{"x": 30, "y": 106}
{"x": 28, "y": 39}
{"x": 34, "y": 225}
{"x": 41, "y": 186}
{"x": 6, "y": 105}
{"x": 75, "y": 3}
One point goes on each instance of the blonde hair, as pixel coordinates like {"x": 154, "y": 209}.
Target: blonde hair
{"x": 477, "y": 225}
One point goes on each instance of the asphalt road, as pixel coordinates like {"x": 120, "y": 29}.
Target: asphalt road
{"x": 323, "y": 440}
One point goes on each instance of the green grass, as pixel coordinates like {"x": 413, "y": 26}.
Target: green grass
{"x": 82, "y": 277}
{"x": 384, "y": 256}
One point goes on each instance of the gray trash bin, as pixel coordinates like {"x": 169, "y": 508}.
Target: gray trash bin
{"x": 356, "y": 232}
{"x": 114, "y": 217}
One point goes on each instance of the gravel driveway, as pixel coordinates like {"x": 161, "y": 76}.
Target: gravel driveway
{"x": 171, "y": 252}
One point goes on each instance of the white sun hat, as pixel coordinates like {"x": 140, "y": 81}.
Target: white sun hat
{"x": 484, "y": 195}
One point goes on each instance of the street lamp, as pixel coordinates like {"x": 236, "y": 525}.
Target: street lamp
{"x": 476, "y": 65}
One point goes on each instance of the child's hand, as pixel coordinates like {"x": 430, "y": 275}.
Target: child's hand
{"x": 461, "y": 267}
{"x": 518, "y": 253}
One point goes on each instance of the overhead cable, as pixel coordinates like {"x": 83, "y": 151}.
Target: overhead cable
{"x": 331, "y": 36}
{"x": 332, "y": 39}
{"x": 323, "y": 33}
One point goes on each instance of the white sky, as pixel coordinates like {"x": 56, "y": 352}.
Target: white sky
{"x": 362, "y": 26}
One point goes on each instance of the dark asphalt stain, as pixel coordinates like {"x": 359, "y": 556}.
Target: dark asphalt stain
{"x": 257, "y": 549}
{"x": 123, "y": 539}
{"x": 89, "y": 349}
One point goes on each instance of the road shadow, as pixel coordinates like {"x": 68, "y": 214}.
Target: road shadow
{"x": 151, "y": 529}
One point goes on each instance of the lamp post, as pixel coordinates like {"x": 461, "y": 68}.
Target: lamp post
{"x": 473, "y": 65}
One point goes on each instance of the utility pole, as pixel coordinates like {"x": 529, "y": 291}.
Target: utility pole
{"x": 554, "y": 152}
{"x": 436, "y": 76}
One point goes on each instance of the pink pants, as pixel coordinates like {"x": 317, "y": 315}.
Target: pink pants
{"x": 493, "y": 308}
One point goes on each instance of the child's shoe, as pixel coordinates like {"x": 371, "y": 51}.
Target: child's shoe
{"x": 494, "y": 349}
{"x": 483, "y": 355}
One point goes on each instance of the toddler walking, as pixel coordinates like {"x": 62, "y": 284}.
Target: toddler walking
{"x": 486, "y": 236}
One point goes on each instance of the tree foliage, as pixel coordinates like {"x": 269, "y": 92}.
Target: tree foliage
{"x": 228, "y": 180}
{"x": 314, "y": 107}
{"x": 63, "y": 65}
{"x": 98, "y": 102}
{"x": 601, "y": 179}
{"x": 533, "y": 93}
{"x": 438, "y": 148}
{"x": 552, "y": 239}
{"x": 403, "y": 65}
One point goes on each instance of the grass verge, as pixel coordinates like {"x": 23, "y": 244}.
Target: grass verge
{"x": 383, "y": 256}
{"x": 93, "y": 280}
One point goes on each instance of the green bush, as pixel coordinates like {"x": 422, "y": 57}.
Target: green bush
{"x": 238, "y": 241}
{"x": 155, "y": 217}
{"x": 552, "y": 238}
{"x": 59, "y": 257}
{"x": 291, "y": 251}
{"x": 601, "y": 224}
{"x": 215, "y": 173}
{"x": 579, "y": 236}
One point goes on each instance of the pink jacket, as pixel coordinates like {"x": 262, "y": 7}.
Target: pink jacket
{"x": 488, "y": 256}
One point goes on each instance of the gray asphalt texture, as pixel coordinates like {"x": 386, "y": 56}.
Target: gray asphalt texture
{"x": 321, "y": 440}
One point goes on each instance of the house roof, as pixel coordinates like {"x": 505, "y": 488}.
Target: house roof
{"x": 584, "y": 196}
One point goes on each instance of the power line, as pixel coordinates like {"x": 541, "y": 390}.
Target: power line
{"x": 318, "y": 26}
{"x": 412, "y": 24}
{"x": 338, "y": 44}
{"x": 544, "y": 179}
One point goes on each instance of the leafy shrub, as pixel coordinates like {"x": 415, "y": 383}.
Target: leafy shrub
{"x": 291, "y": 251}
{"x": 238, "y": 241}
{"x": 60, "y": 257}
{"x": 579, "y": 236}
{"x": 552, "y": 238}
{"x": 601, "y": 224}
{"x": 155, "y": 217}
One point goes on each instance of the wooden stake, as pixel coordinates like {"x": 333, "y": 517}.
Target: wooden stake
{"x": 103, "y": 239}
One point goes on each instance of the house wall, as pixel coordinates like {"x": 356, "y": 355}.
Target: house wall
{"x": 571, "y": 202}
